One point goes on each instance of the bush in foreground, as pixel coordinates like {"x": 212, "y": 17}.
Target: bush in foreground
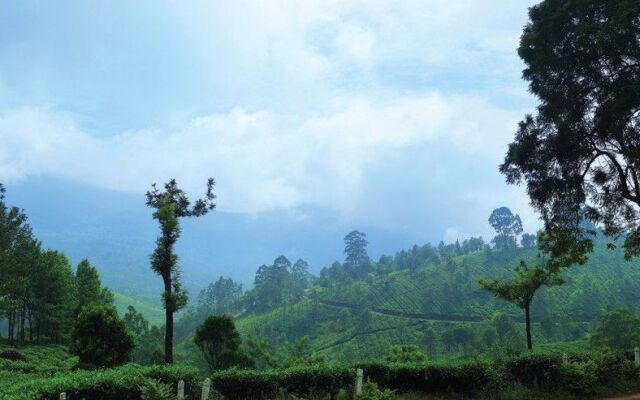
{"x": 122, "y": 383}
{"x": 101, "y": 338}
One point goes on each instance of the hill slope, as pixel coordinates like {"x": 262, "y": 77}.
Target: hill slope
{"x": 431, "y": 303}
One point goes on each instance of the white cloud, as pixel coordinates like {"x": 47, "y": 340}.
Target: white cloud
{"x": 356, "y": 42}
{"x": 262, "y": 160}
{"x": 298, "y": 101}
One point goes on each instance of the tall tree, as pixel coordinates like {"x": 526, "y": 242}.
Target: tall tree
{"x": 521, "y": 289}
{"x": 580, "y": 153}
{"x": 300, "y": 278}
{"x": 89, "y": 289}
{"x": 507, "y": 226}
{"x": 171, "y": 204}
{"x": 355, "y": 249}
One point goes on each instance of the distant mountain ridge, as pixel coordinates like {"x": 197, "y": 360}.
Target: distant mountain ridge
{"x": 116, "y": 232}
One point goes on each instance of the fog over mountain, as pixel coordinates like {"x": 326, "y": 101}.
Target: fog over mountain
{"x": 115, "y": 230}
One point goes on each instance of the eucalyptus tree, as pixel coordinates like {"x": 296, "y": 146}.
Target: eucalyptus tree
{"x": 170, "y": 204}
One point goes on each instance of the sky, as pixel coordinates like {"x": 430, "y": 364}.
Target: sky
{"x": 394, "y": 113}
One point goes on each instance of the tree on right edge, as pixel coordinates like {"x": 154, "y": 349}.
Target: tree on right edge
{"x": 579, "y": 155}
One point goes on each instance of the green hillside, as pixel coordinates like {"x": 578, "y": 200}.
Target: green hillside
{"x": 433, "y": 300}
{"x": 153, "y": 313}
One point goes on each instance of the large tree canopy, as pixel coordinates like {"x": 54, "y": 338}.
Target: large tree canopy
{"x": 580, "y": 153}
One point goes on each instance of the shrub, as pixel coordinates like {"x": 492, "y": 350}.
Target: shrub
{"x": 100, "y": 338}
{"x": 532, "y": 369}
{"x": 466, "y": 378}
{"x": 620, "y": 329}
{"x": 13, "y": 355}
{"x": 371, "y": 391}
{"x": 122, "y": 383}
{"x": 300, "y": 381}
{"x": 219, "y": 342}
{"x": 155, "y": 390}
{"x": 405, "y": 353}
{"x": 463, "y": 378}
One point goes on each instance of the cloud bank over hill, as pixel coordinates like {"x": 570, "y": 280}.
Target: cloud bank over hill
{"x": 374, "y": 110}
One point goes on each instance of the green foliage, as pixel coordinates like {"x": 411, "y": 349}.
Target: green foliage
{"x": 278, "y": 284}
{"x": 582, "y": 62}
{"x": 219, "y": 342}
{"x": 507, "y": 227}
{"x": 221, "y": 297}
{"x": 521, "y": 289}
{"x": 299, "y": 381}
{"x": 154, "y": 389}
{"x": 122, "y": 383}
{"x": 38, "y": 359}
{"x": 39, "y": 295}
{"x": 170, "y": 205}
{"x": 619, "y": 330}
{"x": 405, "y": 353}
{"x": 100, "y": 338}
{"x": 89, "y": 290}
{"x": 148, "y": 341}
{"x": 371, "y": 391}
{"x": 357, "y": 262}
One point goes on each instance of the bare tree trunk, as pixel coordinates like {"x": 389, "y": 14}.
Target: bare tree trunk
{"x": 527, "y": 319}
{"x": 23, "y": 316}
{"x": 168, "y": 329}
{"x": 30, "y": 327}
{"x": 12, "y": 320}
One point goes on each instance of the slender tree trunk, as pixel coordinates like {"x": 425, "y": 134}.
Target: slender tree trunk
{"x": 23, "y": 317}
{"x": 12, "y": 320}
{"x": 30, "y": 327}
{"x": 168, "y": 329}
{"x": 527, "y": 319}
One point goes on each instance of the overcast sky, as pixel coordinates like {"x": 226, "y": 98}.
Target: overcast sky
{"x": 393, "y": 112}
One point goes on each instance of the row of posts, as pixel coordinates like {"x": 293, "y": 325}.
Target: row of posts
{"x": 206, "y": 386}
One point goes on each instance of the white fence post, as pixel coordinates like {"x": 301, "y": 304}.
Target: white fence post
{"x": 181, "y": 390}
{"x": 63, "y": 396}
{"x": 359, "y": 376}
{"x": 206, "y": 386}
{"x": 636, "y": 356}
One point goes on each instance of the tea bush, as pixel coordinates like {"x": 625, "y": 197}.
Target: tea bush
{"x": 122, "y": 383}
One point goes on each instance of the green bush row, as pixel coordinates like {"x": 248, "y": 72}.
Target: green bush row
{"x": 299, "y": 381}
{"x": 121, "y": 383}
{"x": 581, "y": 375}
{"x": 464, "y": 378}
